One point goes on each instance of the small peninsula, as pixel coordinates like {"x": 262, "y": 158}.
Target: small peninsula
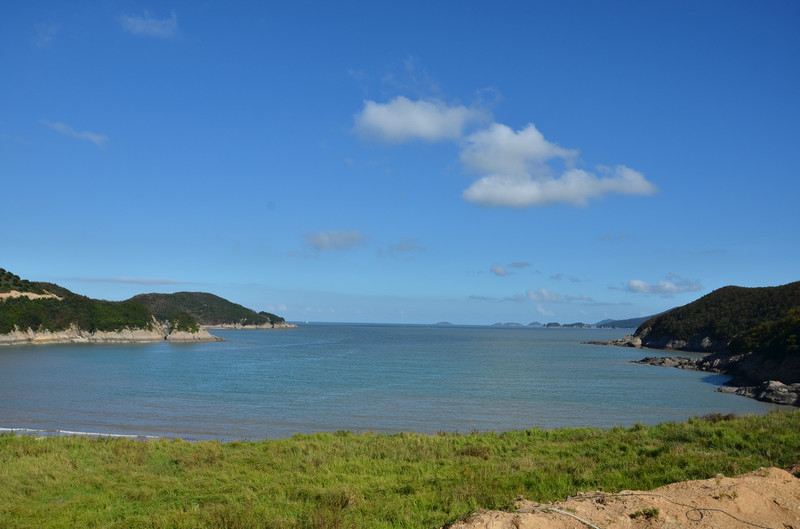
{"x": 750, "y": 334}
{"x": 33, "y": 312}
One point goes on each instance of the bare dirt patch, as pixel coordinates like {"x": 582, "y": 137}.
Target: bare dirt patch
{"x": 766, "y": 498}
{"x": 29, "y": 295}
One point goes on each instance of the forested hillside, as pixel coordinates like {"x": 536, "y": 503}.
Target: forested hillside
{"x": 59, "y": 313}
{"x": 206, "y": 308}
{"x": 42, "y": 306}
{"x": 763, "y": 318}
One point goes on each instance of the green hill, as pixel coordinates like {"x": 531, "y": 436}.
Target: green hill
{"x": 207, "y": 309}
{"x": 63, "y": 309}
{"x": 51, "y": 307}
{"x": 737, "y": 317}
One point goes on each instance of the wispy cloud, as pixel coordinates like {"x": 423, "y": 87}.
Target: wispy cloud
{"x": 149, "y": 26}
{"x": 610, "y": 237}
{"x": 482, "y": 298}
{"x": 335, "y": 239}
{"x": 500, "y": 270}
{"x": 45, "y": 33}
{"x": 544, "y": 312}
{"x": 571, "y": 279}
{"x": 405, "y": 246}
{"x": 131, "y": 280}
{"x": 673, "y": 284}
{"x": 402, "y": 120}
{"x": 544, "y": 295}
{"x": 97, "y": 139}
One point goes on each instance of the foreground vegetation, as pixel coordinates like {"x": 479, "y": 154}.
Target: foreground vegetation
{"x": 363, "y": 480}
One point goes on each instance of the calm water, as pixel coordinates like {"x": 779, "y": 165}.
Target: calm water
{"x": 382, "y": 378}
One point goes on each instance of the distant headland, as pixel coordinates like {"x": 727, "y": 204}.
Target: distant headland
{"x": 750, "y": 334}
{"x": 33, "y": 312}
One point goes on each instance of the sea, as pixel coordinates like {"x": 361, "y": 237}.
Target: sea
{"x": 260, "y": 384}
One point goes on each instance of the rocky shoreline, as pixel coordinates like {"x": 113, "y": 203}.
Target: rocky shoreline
{"x": 264, "y": 326}
{"x": 154, "y": 334}
{"x": 772, "y": 391}
{"x": 752, "y": 375}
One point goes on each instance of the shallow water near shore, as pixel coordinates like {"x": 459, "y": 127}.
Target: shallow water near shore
{"x": 330, "y": 377}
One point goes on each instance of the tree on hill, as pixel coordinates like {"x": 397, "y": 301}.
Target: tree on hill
{"x": 9, "y": 282}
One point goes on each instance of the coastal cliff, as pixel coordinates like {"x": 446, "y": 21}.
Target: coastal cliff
{"x": 749, "y": 334}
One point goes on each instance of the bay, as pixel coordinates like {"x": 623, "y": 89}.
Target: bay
{"x": 330, "y": 377}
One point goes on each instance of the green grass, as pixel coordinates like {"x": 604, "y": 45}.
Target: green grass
{"x": 363, "y": 480}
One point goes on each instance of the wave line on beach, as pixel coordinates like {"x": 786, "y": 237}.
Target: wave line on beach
{"x": 48, "y": 433}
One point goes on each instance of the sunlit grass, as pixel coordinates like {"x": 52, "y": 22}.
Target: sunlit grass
{"x": 363, "y": 480}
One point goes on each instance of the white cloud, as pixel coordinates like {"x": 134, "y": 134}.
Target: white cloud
{"x": 402, "y": 120}
{"x": 674, "y": 284}
{"x": 519, "y": 168}
{"x": 335, "y": 239}
{"x": 97, "y": 139}
{"x": 500, "y": 150}
{"x": 148, "y": 26}
{"x": 499, "y": 270}
{"x": 575, "y": 187}
{"x": 405, "y": 246}
{"x": 519, "y": 264}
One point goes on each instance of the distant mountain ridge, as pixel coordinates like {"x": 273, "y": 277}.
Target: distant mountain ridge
{"x": 630, "y": 323}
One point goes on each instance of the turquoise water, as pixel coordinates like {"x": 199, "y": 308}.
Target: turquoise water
{"x": 381, "y": 378}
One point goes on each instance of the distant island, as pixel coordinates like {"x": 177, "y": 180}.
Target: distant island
{"x": 33, "y": 312}
{"x": 751, "y": 334}
{"x": 605, "y": 324}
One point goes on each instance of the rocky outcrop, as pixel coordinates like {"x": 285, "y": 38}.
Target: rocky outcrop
{"x": 769, "y": 391}
{"x": 156, "y": 332}
{"x": 192, "y": 337}
{"x": 629, "y": 341}
{"x": 669, "y": 361}
{"x": 753, "y": 375}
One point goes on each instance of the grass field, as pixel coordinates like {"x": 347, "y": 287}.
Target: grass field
{"x": 363, "y": 480}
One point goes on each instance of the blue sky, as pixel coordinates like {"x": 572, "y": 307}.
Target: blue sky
{"x": 408, "y": 162}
